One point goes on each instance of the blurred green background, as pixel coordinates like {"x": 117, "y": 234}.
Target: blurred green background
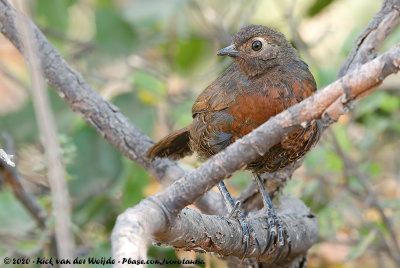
{"x": 152, "y": 58}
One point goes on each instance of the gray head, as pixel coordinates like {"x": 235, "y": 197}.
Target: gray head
{"x": 256, "y": 48}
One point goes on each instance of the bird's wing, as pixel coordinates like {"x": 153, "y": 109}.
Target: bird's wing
{"x": 220, "y": 94}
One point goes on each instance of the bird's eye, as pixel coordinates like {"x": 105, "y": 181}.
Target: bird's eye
{"x": 256, "y": 45}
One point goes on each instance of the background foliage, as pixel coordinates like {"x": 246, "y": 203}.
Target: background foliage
{"x": 151, "y": 59}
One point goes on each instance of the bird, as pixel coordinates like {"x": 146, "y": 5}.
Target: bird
{"x": 267, "y": 76}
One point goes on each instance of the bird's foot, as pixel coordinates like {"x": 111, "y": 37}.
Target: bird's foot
{"x": 247, "y": 228}
{"x": 278, "y": 234}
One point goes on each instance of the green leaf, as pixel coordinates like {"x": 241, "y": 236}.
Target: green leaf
{"x": 318, "y": 6}
{"x": 21, "y": 125}
{"x": 355, "y": 184}
{"x": 378, "y": 100}
{"x": 13, "y": 215}
{"x": 325, "y": 76}
{"x": 334, "y": 162}
{"x": 96, "y": 162}
{"x": 241, "y": 179}
{"x": 53, "y": 13}
{"x": 142, "y": 115}
{"x": 95, "y": 209}
{"x": 342, "y": 137}
{"x": 182, "y": 113}
{"x": 390, "y": 104}
{"x": 315, "y": 159}
{"x": 144, "y": 13}
{"x": 329, "y": 221}
{"x": 113, "y": 34}
{"x": 374, "y": 169}
{"x": 150, "y": 89}
{"x": 136, "y": 178}
{"x": 189, "y": 54}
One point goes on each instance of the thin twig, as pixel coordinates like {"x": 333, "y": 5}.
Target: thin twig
{"x": 47, "y": 128}
{"x": 11, "y": 176}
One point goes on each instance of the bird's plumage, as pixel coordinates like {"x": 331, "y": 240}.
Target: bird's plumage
{"x": 257, "y": 86}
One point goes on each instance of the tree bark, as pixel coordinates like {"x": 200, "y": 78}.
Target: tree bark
{"x": 160, "y": 216}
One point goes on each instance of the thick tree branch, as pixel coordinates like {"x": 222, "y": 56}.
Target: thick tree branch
{"x": 327, "y": 104}
{"x": 194, "y": 231}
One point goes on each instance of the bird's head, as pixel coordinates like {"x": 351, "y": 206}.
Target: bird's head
{"x": 256, "y": 48}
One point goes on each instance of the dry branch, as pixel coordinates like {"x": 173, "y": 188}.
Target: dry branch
{"x": 191, "y": 230}
{"x": 164, "y": 209}
{"x": 11, "y": 176}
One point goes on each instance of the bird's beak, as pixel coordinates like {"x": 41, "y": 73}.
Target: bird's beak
{"x": 229, "y": 51}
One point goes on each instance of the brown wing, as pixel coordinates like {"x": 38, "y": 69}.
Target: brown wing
{"x": 209, "y": 112}
{"x": 221, "y": 93}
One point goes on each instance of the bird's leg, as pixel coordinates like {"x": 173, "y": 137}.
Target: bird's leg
{"x": 229, "y": 202}
{"x": 273, "y": 219}
{"x": 233, "y": 208}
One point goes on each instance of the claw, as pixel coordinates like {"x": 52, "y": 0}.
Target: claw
{"x": 253, "y": 233}
{"x": 281, "y": 240}
{"x": 271, "y": 238}
{"x": 278, "y": 255}
{"x": 289, "y": 242}
{"x": 278, "y": 232}
{"x": 247, "y": 228}
{"x": 247, "y": 231}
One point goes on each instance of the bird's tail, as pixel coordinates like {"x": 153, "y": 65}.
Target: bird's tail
{"x": 175, "y": 145}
